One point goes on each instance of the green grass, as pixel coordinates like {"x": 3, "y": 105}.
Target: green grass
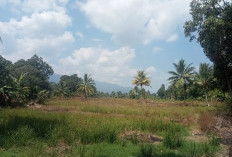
{"x": 73, "y": 127}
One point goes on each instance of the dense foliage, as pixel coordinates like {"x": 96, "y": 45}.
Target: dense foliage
{"x": 23, "y": 80}
{"x": 211, "y": 26}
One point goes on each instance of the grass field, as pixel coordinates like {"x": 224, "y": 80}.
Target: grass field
{"x": 106, "y": 128}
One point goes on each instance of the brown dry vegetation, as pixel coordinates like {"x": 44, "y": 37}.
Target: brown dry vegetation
{"x": 108, "y": 120}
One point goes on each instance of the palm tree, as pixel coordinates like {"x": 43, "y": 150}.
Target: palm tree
{"x": 86, "y": 86}
{"x": 204, "y": 77}
{"x": 182, "y": 76}
{"x": 62, "y": 89}
{"x": 141, "y": 79}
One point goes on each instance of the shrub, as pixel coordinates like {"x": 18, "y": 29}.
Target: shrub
{"x": 211, "y": 147}
{"x": 43, "y": 96}
{"x": 192, "y": 149}
{"x": 173, "y": 139}
{"x": 146, "y": 151}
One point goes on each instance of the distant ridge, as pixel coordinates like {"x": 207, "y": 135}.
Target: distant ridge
{"x": 109, "y": 87}
{"x": 101, "y": 86}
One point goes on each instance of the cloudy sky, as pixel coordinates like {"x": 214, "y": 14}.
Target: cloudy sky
{"x": 110, "y": 39}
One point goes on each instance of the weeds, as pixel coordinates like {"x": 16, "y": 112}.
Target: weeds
{"x": 146, "y": 151}
{"x": 93, "y": 128}
{"x": 173, "y": 139}
{"x": 192, "y": 149}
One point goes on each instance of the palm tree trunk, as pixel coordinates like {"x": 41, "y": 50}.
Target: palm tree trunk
{"x": 206, "y": 99}
{"x": 184, "y": 93}
{"x": 85, "y": 95}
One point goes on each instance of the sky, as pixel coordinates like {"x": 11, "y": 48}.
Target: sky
{"x": 109, "y": 39}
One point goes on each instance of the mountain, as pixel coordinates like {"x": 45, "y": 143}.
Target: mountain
{"x": 109, "y": 87}
{"x": 101, "y": 86}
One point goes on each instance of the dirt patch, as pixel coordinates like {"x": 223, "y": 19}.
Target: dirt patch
{"x": 57, "y": 109}
{"x": 223, "y": 128}
{"x": 137, "y": 136}
{"x": 34, "y": 105}
{"x": 61, "y": 148}
{"x": 198, "y": 136}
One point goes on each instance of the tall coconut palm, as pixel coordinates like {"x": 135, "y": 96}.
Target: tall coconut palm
{"x": 182, "y": 76}
{"x": 204, "y": 77}
{"x": 86, "y": 86}
{"x": 141, "y": 79}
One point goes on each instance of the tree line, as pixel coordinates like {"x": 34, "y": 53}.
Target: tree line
{"x": 28, "y": 81}
{"x": 210, "y": 26}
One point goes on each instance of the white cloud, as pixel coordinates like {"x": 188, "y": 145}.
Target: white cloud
{"x": 79, "y": 34}
{"x": 104, "y": 65}
{"x": 32, "y": 6}
{"x": 136, "y": 21}
{"x": 150, "y": 70}
{"x": 156, "y": 50}
{"x": 172, "y": 38}
{"x": 97, "y": 40}
{"x": 42, "y": 33}
{"x": 37, "y": 25}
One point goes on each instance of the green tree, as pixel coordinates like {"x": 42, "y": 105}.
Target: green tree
{"x": 38, "y": 74}
{"x": 21, "y": 93}
{"x": 182, "y": 76}
{"x": 134, "y": 93}
{"x": 86, "y": 86}
{"x": 204, "y": 78}
{"x": 39, "y": 64}
{"x": 113, "y": 94}
{"x": 62, "y": 90}
{"x": 5, "y": 96}
{"x": 211, "y": 26}
{"x": 4, "y": 72}
{"x": 161, "y": 92}
{"x": 71, "y": 82}
{"x": 141, "y": 79}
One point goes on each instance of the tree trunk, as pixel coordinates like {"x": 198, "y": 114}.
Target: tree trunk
{"x": 229, "y": 83}
{"x": 184, "y": 93}
{"x": 85, "y": 96}
{"x": 206, "y": 99}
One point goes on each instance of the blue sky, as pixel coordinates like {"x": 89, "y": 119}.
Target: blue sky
{"x": 109, "y": 39}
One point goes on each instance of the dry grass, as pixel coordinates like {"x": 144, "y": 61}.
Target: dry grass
{"x": 206, "y": 121}
{"x": 63, "y": 122}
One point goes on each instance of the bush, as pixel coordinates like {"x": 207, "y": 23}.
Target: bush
{"x": 192, "y": 149}
{"x": 173, "y": 139}
{"x": 211, "y": 148}
{"x": 43, "y": 96}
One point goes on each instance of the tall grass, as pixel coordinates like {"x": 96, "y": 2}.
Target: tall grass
{"x": 90, "y": 128}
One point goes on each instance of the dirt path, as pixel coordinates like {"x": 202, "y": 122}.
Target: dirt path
{"x": 223, "y": 128}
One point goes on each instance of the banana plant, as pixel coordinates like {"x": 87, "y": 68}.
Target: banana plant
{"x": 21, "y": 93}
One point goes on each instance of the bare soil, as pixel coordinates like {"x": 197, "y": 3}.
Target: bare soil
{"x": 223, "y": 128}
